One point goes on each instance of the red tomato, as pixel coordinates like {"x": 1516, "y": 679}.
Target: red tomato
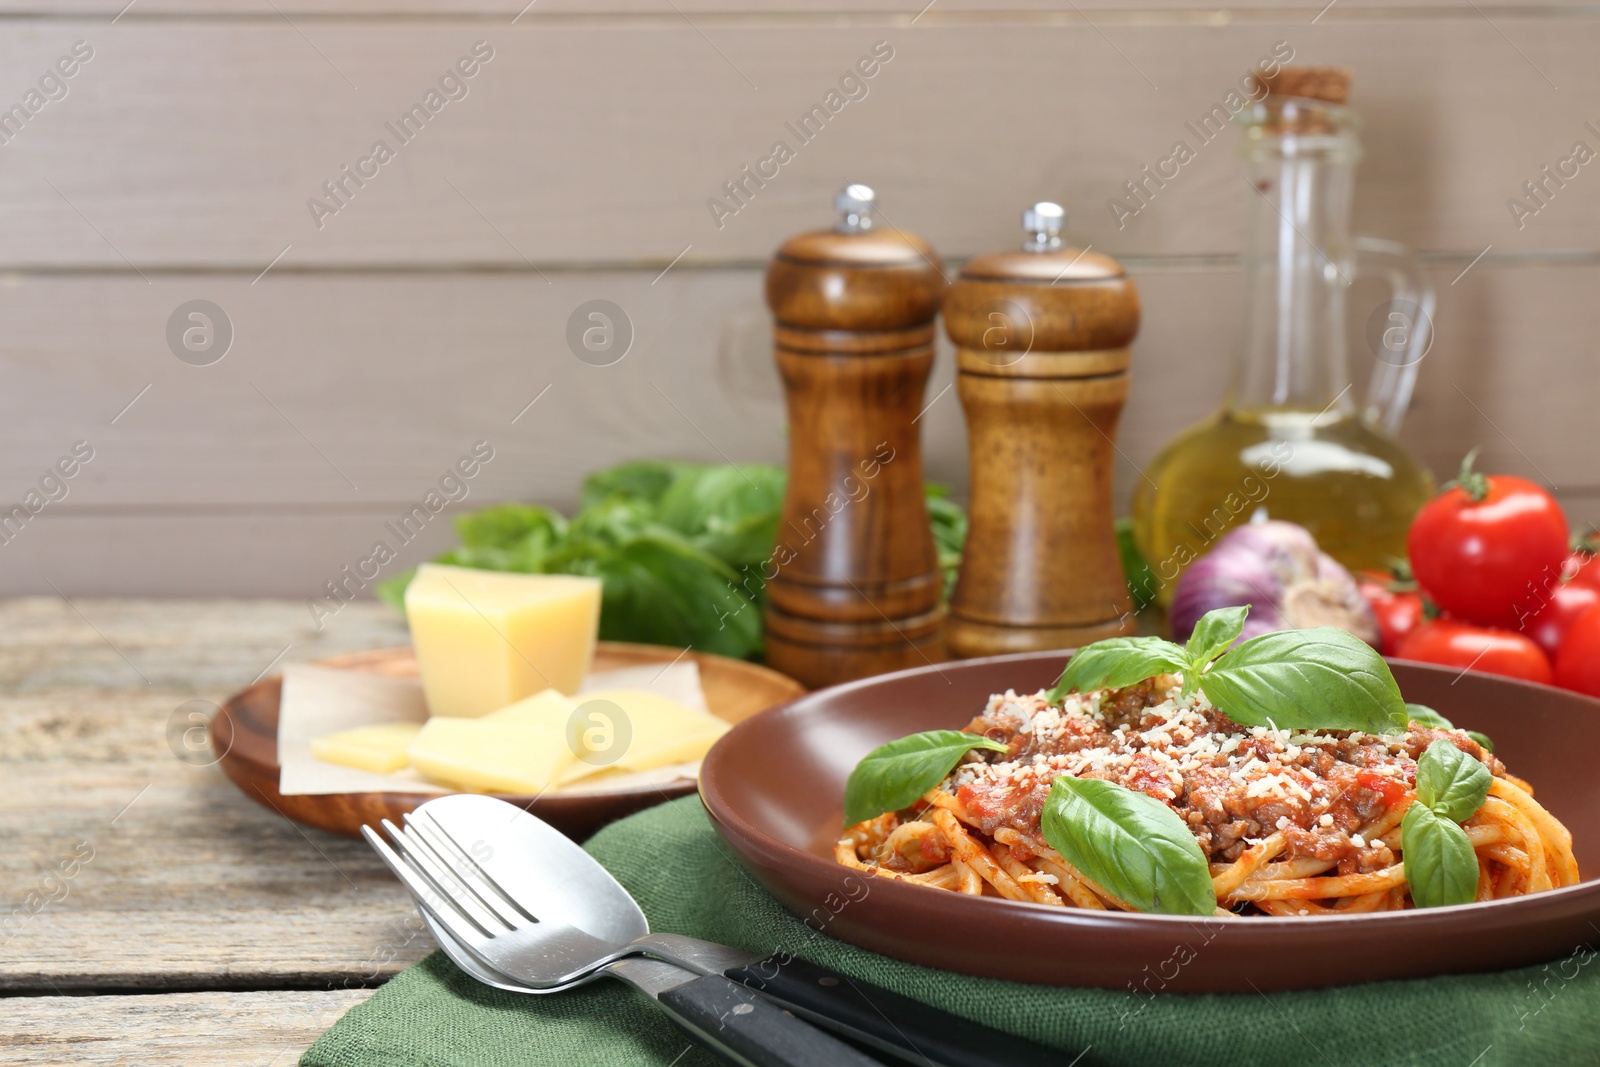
{"x": 1479, "y": 648}
{"x": 1578, "y": 663}
{"x": 1490, "y": 548}
{"x": 1393, "y": 790}
{"x": 1398, "y": 612}
{"x": 1549, "y": 625}
{"x": 1583, "y": 569}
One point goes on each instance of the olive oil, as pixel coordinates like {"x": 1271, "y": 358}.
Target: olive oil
{"x": 1354, "y": 487}
{"x": 1290, "y": 442}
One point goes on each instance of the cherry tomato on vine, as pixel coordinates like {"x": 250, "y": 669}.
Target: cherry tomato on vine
{"x": 1578, "y": 662}
{"x": 1480, "y": 648}
{"x": 1549, "y": 625}
{"x": 1489, "y": 548}
{"x": 1399, "y": 611}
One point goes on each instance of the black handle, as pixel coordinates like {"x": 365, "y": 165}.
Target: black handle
{"x": 754, "y": 1031}
{"x": 897, "y": 1025}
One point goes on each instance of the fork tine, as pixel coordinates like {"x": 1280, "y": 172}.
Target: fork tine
{"x": 468, "y": 869}
{"x": 453, "y": 920}
{"x": 462, "y": 885}
{"x": 444, "y": 883}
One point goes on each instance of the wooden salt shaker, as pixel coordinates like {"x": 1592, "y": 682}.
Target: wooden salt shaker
{"x": 854, "y": 586}
{"x": 1041, "y": 341}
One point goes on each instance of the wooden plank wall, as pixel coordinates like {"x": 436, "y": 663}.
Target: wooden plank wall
{"x": 373, "y": 345}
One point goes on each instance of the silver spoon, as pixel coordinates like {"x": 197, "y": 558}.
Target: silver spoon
{"x": 551, "y": 956}
{"x": 521, "y": 867}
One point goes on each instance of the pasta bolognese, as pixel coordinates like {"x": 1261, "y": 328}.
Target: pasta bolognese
{"x": 1290, "y": 822}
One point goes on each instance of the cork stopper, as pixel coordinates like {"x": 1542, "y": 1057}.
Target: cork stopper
{"x": 1331, "y": 85}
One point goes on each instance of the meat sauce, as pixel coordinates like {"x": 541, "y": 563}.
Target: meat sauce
{"x": 1232, "y": 785}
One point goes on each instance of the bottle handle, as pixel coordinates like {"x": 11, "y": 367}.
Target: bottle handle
{"x": 1402, "y": 336}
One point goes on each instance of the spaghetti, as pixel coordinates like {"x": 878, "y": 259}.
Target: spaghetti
{"x": 1293, "y": 823}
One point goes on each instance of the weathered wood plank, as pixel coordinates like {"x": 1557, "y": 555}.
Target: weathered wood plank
{"x": 267, "y": 1029}
{"x": 131, "y": 863}
{"x": 715, "y": 12}
{"x": 593, "y": 142}
{"x": 205, "y": 486}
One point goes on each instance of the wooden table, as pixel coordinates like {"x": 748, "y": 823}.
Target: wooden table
{"x": 255, "y": 934}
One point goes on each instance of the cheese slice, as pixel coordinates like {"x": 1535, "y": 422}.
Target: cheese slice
{"x": 486, "y": 639}
{"x": 491, "y": 756}
{"x": 545, "y": 707}
{"x": 380, "y": 749}
{"x": 654, "y": 732}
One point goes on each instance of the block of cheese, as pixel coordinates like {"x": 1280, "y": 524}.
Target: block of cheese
{"x": 658, "y": 732}
{"x": 380, "y": 749}
{"x": 491, "y": 756}
{"x": 485, "y": 639}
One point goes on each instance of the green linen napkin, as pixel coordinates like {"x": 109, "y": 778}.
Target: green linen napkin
{"x": 688, "y": 882}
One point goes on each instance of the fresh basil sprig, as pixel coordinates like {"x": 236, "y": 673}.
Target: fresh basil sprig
{"x": 893, "y": 776}
{"x": 1122, "y": 661}
{"x": 1441, "y": 866}
{"x": 1132, "y": 844}
{"x": 1317, "y": 679}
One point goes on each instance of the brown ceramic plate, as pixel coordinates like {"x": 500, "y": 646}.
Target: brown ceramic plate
{"x": 774, "y": 787}
{"x": 245, "y": 734}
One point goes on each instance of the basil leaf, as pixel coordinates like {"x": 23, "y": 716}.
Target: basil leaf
{"x": 1483, "y": 739}
{"x": 1118, "y": 662}
{"x": 1216, "y": 630}
{"x": 1450, "y": 782}
{"x": 893, "y": 776}
{"x": 1428, "y": 717}
{"x": 1441, "y": 867}
{"x": 1318, "y": 679}
{"x": 1132, "y": 844}
{"x": 643, "y": 479}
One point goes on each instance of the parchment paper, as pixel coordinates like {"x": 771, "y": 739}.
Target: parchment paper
{"x": 324, "y": 700}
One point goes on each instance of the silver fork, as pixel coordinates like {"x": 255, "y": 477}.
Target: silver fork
{"x": 550, "y": 956}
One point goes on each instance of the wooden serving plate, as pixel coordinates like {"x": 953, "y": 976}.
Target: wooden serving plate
{"x": 244, "y": 734}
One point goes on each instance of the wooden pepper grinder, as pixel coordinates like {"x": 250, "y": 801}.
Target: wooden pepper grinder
{"x": 853, "y": 586}
{"x": 1041, "y": 341}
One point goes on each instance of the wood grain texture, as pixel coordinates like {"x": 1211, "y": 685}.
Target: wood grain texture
{"x": 715, "y": 12}
{"x": 130, "y": 868}
{"x": 854, "y": 586}
{"x": 599, "y": 142}
{"x": 266, "y": 1029}
{"x": 1042, "y": 373}
{"x": 202, "y": 488}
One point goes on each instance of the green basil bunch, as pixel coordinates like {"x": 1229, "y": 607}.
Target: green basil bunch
{"x": 682, "y": 550}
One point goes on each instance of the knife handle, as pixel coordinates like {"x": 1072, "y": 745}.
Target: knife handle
{"x": 752, "y": 1030}
{"x": 896, "y": 1025}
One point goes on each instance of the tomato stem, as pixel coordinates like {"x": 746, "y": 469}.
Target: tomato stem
{"x": 1469, "y": 481}
{"x": 1401, "y": 580}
